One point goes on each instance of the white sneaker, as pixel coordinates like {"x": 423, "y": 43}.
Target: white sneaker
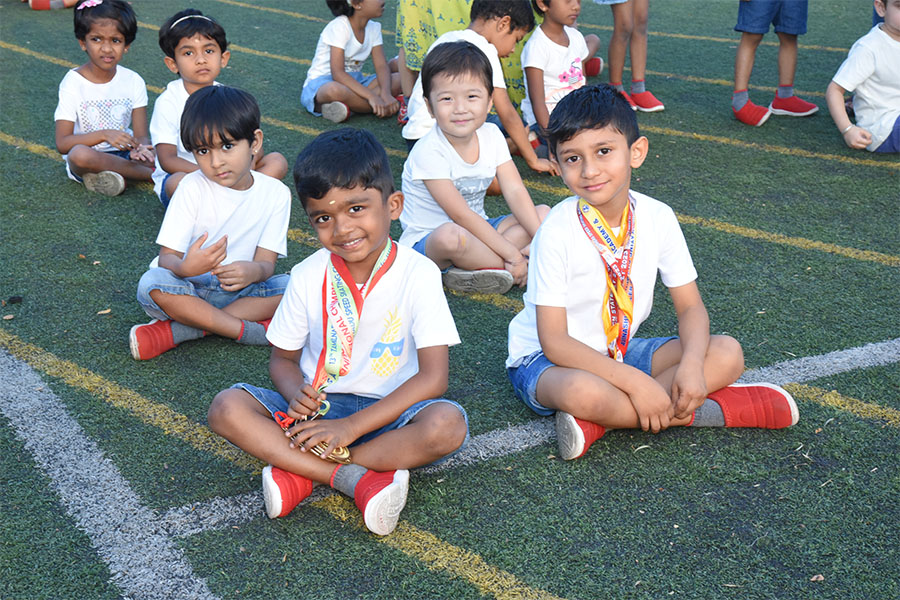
{"x": 108, "y": 183}
{"x": 336, "y": 112}
{"x": 483, "y": 281}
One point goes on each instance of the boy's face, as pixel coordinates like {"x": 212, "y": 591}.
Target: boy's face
{"x": 198, "y": 60}
{"x": 502, "y": 36}
{"x": 596, "y": 165}
{"x": 460, "y": 104}
{"x": 104, "y": 44}
{"x": 227, "y": 162}
{"x": 890, "y": 10}
{"x": 355, "y": 224}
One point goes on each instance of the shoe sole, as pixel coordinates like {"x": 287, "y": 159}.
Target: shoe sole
{"x": 133, "y": 343}
{"x": 653, "y": 109}
{"x": 569, "y": 436}
{"x": 787, "y": 113}
{"x": 484, "y": 281}
{"x": 271, "y": 494}
{"x": 108, "y": 183}
{"x": 383, "y": 509}
{"x": 336, "y": 112}
{"x": 795, "y": 413}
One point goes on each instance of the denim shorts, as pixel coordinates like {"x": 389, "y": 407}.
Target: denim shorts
{"x": 206, "y": 287}
{"x": 420, "y": 245}
{"x": 788, "y": 16}
{"x": 163, "y": 196}
{"x": 892, "y": 142}
{"x": 311, "y": 87}
{"x": 524, "y": 378}
{"x": 344, "y": 405}
{"x": 126, "y": 154}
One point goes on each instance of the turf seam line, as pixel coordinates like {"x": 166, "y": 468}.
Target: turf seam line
{"x": 142, "y": 561}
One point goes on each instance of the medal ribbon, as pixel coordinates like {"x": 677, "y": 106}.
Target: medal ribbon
{"x": 342, "y": 304}
{"x": 617, "y": 253}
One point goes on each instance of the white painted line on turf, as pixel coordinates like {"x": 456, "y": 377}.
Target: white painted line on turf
{"x": 228, "y": 512}
{"x": 143, "y": 562}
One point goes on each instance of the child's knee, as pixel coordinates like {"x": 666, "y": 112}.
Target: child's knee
{"x": 448, "y": 240}
{"x": 222, "y": 411}
{"x": 542, "y": 210}
{"x": 729, "y": 353}
{"x": 80, "y": 156}
{"x": 446, "y": 428}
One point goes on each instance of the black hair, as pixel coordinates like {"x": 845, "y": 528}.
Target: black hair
{"x": 340, "y": 8}
{"x": 117, "y": 10}
{"x": 342, "y": 158}
{"x": 518, "y": 11}
{"x": 591, "y": 107}
{"x": 537, "y": 8}
{"x": 455, "y": 59}
{"x": 218, "y": 110}
{"x": 177, "y": 27}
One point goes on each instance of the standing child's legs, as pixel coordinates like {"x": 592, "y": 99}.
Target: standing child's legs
{"x": 623, "y": 26}
{"x": 785, "y": 102}
{"x": 744, "y": 110}
{"x": 643, "y": 99}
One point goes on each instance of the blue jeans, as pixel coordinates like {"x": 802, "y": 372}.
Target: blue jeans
{"x": 344, "y": 405}
{"x": 524, "y": 378}
{"x": 206, "y": 287}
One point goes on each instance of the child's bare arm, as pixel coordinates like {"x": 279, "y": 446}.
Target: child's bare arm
{"x": 171, "y": 162}
{"x": 66, "y": 138}
{"x": 196, "y": 260}
{"x": 854, "y": 136}
{"x": 516, "y": 131}
{"x": 689, "y": 384}
{"x": 534, "y": 79}
{"x": 284, "y": 371}
{"x": 517, "y": 197}
{"x": 383, "y": 75}
{"x": 239, "y": 274}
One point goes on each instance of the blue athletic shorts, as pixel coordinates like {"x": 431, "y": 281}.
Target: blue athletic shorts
{"x": 788, "y": 16}
{"x": 892, "y": 143}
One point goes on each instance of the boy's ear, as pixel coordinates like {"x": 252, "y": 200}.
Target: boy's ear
{"x": 225, "y": 56}
{"x": 170, "y": 63}
{"x": 395, "y": 205}
{"x": 256, "y": 144}
{"x": 639, "y": 150}
{"x": 428, "y": 106}
{"x": 504, "y": 24}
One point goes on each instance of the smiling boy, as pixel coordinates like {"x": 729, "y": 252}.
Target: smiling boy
{"x": 362, "y": 335}
{"x": 594, "y": 263}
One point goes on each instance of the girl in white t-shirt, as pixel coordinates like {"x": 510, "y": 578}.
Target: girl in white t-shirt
{"x": 99, "y": 100}
{"x": 335, "y": 85}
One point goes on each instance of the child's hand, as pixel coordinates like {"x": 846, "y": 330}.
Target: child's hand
{"x": 381, "y": 107}
{"x": 120, "y": 140}
{"x": 688, "y": 389}
{"x": 237, "y": 275}
{"x": 652, "y": 404}
{"x": 143, "y": 153}
{"x": 332, "y": 432}
{"x": 857, "y": 137}
{"x": 305, "y": 403}
{"x": 542, "y": 165}
{"x": 199, "y": 260}
{"x": 518, "y": 269}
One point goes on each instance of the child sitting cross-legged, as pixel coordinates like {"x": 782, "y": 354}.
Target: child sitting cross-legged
{"x": 594, "y": 264}
{"x": 448, "y": 173}
{"x": 362, "y": 335}
{"x": 220, "y": 237}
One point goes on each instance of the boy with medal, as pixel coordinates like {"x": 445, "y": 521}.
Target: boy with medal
{"x": 594, "y": 263}
{"x": 360, "y": 354}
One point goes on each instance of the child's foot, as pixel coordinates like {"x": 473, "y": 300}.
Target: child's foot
{"x": 593, "y": 66}
{"x": 380, "y": 496}
{"x": 646, "y": 102}
{"x": 108, "y": 183}
{"x": 575, "y": 436}
{"x": 403, "y": 112}
{"x": 630, "y": 100}
{"x": 752, "y": 114}
{"x": 792, "y": 106}
{"x": 283, "y": 491}
{"x": 336, "y": 112}
{"x": 762, "y": 405}
{"x": 483, "y": 281}
{"x": 150, "y": 340}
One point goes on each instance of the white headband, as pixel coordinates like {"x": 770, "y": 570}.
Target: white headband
{"x": 189, "y": 17}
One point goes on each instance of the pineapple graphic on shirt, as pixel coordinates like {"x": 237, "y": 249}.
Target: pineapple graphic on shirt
{"x": 385, "y": 355}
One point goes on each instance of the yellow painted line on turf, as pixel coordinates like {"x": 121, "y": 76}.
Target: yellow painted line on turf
{"x": 286, "y": 13}
{"x": 728, "y": 83}
{"x": 38, "y": 149}
{"x": 438, "y": 555}
{"x": 52, "y": 59}
{"x": 498, "y": 300}
{"x": 152, "y": 413}
{"x": 866, "y": 410}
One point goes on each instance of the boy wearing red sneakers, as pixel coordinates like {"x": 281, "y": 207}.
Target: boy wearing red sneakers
{"x": 366, "y": 320}
{"x": 594, "y": 263}
{"x": 754, "y": 18}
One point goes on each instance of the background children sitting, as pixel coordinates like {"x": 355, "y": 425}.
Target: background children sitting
{"x": 335, "y": 84}
{"x": 448, "y": 172}
{"x": 496, "y": 27}
{"x": 594, "y": 264}
{"x": 872, "y": 72}
{"x": 383, "y": 363}
{"x": 196, "y": 50}
{"x": 220, "y": 236}
{"x": 98, "y": 101}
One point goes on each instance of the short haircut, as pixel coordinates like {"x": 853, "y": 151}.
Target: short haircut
{"x": 340, "y": 8}
{"x": 342, "y": 158}
{"x": 218, "y": 110}
{"x": 117, "y": 10}
{"x": 591, "y": 107}
{"x": 456, "y": 59}
{"x": 187, "y": 24}
{"x": 537, "y": 8}
{"x": 518, "y": 11}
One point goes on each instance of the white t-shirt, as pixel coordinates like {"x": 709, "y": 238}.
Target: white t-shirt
{"x": 420, "y": 121}
{"x": 405, "y": 311}
{"x": 561, "y": 66}
{"x": 434, "y": 158}
{"x": 566, "y": 270}
{"x": 94, "y": 106}
{"x": 257, "y": 216}
{"x": 872, "y": 71}
{"x": 165, "y": 126}
{"x": 339, "y": 33}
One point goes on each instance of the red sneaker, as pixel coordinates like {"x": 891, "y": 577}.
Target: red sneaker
{"x": 593, "y": 66}
{"x": 647, "y": 102}
{"x": 403, "y": 113}
{"x": 380, "y": 496}
{"x": 283, "y": 491}
{"x": 265, "y": 323}
{"x": 150, "y": 340}
{"x": 630, "y": 100}
{"x": 752, "y": 114}
{"x": 761, "y": 405}
{"x": 792, "y": 107}
{"x": 575, "y": 436}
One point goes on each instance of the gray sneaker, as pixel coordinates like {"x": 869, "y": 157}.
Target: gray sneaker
{"x": 336, "y": 112}
{"x": 482, "y": 281}
{"x": 108, "y": 183}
